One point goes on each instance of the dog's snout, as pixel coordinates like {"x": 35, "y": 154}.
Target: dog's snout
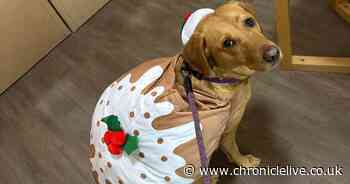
{"x": 271, "y": 54}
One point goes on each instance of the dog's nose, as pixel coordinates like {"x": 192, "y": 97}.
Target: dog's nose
{"x": 271, "y": 54}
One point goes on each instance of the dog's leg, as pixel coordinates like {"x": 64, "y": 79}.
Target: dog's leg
{"x": 229, "y": 144}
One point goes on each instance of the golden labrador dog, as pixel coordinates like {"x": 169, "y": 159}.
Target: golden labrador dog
{"x": 142, "y": 128}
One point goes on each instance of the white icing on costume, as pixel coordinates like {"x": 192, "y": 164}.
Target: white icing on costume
{"x": 120, "y": 100}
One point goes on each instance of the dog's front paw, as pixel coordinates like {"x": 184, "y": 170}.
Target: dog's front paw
{"x": 249, "y": 161}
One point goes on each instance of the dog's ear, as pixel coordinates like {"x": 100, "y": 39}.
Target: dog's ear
{"x": 195, "y": 53}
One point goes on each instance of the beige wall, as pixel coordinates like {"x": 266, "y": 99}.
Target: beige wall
{"x": 28, "y": 30}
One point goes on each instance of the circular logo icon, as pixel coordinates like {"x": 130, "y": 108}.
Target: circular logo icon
{"x": 189, "y": 170}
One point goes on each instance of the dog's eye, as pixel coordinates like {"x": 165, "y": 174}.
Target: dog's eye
{"x": 228, "y": 43}
{"x": 250, "y": 22}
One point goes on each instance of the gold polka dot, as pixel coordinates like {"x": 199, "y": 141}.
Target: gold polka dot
{"x": 167, "y": 178}
{"x": 147, "y": 115}
{"x": 143, "y": 176}
{"x": 108, "y": 182}
{"x": 98, "y": 123}
{"x": 109, "y": 164}
{"x": 101, "y": 170}
{"x": 154, "y": 93}
{"x": 133, "y": 88}
{"x": 99, "y": 155}
{"x": 131, "y": 114}
{"x": 103, "y": 140}
{"x": 142, "y": 155}
{"x": 136, "y": 133}
{"x": 120, "y": 87}
{"x": 160, "y": 140}
{"x": 164, "y": 158}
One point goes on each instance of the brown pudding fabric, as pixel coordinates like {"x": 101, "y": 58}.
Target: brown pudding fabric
{"x": 214, "y": 110}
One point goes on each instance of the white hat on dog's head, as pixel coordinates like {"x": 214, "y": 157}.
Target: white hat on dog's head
{"x": 191, "y": 22}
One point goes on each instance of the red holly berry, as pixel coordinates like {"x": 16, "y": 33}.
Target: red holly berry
{"x": 118, "y": 138}
{"x": 108, "y": 137}
{"x": 115, "y": 149}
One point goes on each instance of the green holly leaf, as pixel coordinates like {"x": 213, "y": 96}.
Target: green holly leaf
{"x": 132, "y": 144}
{"x": 112, "y": 122}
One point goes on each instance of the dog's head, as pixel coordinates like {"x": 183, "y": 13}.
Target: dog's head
{"x": 230, "y": 43}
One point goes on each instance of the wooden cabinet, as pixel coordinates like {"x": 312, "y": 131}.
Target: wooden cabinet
{"x": 304, "y": 63}
{"x": 28, "y": 31}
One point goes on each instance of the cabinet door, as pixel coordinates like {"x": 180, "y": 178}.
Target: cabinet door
{"x": 77, "y": 12}
{"x": 28, "y": 30}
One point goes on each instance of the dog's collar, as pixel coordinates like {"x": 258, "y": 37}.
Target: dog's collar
{"x": 187, "y": 70}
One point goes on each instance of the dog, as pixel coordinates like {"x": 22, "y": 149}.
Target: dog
{"x": 142, "y": 128}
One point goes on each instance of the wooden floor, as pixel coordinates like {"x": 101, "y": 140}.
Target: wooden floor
{"x": 294, "y": 117}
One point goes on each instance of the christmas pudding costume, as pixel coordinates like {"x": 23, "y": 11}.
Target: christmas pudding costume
{"x": 142, "y": 128}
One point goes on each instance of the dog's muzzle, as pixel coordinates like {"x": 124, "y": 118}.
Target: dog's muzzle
{"x": 271, "y": 54}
